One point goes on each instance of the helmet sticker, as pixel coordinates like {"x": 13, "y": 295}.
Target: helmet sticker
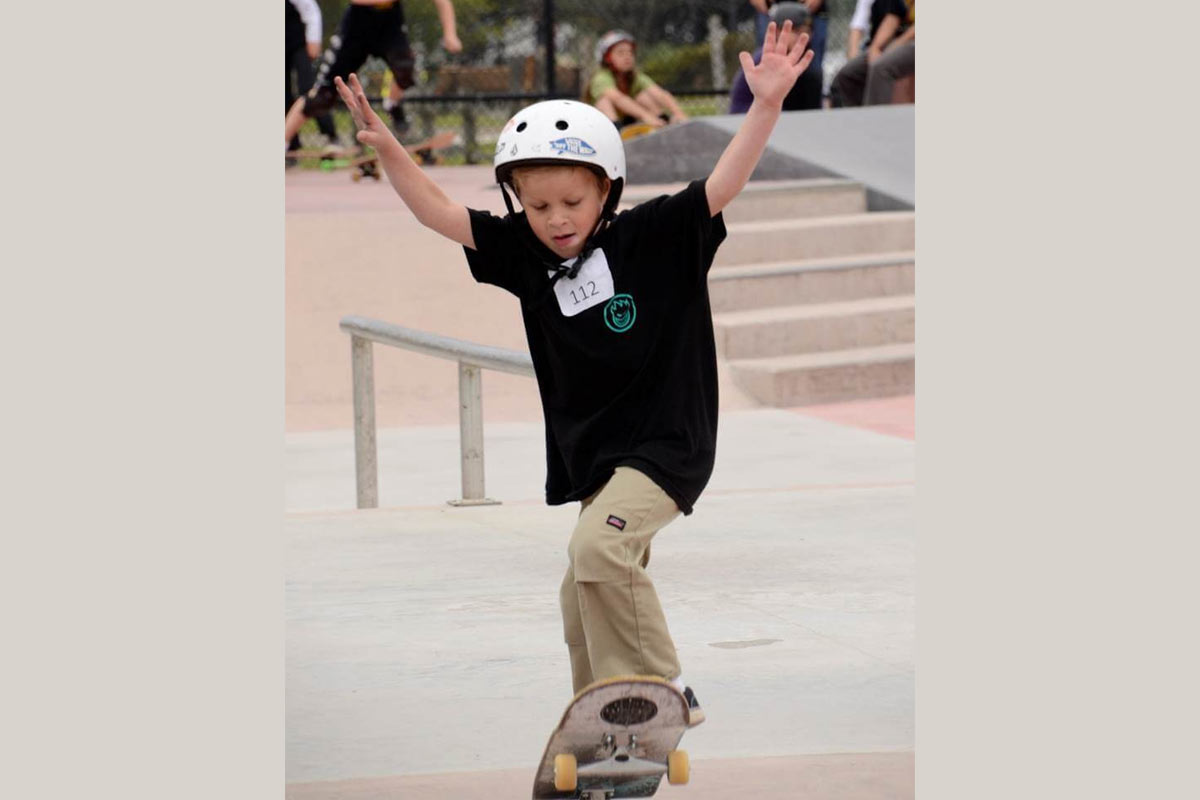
{"x": 573, "y": 145}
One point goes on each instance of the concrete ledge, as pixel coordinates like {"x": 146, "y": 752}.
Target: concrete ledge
{"x": 816, "y": 237}
{"x": 776, "y": 199}
{"x": 874, "y": 145}
{"x": 798, "y": 380}
{"x": 813, "y": 327}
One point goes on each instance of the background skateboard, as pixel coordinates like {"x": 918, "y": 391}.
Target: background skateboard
{"x": 367, "y": 164}
{"x": 422, "y": 153}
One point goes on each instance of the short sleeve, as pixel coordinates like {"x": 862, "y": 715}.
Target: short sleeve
{"x": 494, "y": 258}
{"x": 680, "y": 229}
{"x": 601, "y": 82}
{"x": 861, "y": 19}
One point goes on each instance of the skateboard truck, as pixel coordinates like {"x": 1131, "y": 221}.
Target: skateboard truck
{"x": 621, "y": 762}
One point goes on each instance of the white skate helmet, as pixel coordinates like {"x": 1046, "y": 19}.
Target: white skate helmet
{"x": 555, "y": 132}
{"x": 610, "y": 40}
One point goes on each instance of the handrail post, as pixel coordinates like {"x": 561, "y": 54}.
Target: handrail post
{"x": 366, "y": 466}
{"x": 470, "y": 435}
{"x": 472, "y": 359}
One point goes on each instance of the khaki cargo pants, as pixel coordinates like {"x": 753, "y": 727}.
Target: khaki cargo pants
{"x": 612, "y": 619}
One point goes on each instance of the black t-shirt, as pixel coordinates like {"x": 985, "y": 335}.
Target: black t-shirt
{"x": 881, "y": 8}
{"x": 631, "y": 380}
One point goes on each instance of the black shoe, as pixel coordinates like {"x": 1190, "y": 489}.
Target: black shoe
{"x": 695, "y": 713}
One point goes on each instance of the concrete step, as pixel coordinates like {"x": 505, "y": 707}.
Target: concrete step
{"x": 789, "y": 199}
{"x": 816, "y": 280}
{"x": 815, "y": 327}
{"x": 817, "y": 237}
{"x": 810, "y": 378}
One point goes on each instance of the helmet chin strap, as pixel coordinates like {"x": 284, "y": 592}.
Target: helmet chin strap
{"x": 606, "y": 215}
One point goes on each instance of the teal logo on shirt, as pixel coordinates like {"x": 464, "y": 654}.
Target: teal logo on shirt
{"x": 619, "y": 313}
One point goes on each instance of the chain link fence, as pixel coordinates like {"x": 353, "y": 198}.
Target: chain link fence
{"x": 688, "y": 47}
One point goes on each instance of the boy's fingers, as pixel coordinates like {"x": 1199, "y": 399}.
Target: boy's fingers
{"x": 805, "y": 60}
{"x": 780, "y": 46}
{"x": 799, "y": 48}
{"x": 769, "y": 37}
{"x": 747, "y": 62}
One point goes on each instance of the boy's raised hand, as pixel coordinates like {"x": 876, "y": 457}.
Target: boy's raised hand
{"x": 776, "y": 72}
{"x": 372, "y": 130}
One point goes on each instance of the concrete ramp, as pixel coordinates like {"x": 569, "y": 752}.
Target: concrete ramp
{"x": 875, "y": 146}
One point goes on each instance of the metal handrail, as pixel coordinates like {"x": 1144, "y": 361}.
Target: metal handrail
{"x": 471, "y": 358}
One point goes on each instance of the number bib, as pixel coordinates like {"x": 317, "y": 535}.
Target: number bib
{"x": 592, "y": 286}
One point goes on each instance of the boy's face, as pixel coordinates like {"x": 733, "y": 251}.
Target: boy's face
{"x": 562, "y": 204}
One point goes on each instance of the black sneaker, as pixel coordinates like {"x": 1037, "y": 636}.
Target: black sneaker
{"x": 696, "y": 714}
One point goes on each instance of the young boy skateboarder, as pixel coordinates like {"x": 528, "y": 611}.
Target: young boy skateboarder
{"x": 619, "y": 328}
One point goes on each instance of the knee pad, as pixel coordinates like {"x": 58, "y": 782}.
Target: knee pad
{"x": 319, "y": 100}
{"x": 400, "y": 61}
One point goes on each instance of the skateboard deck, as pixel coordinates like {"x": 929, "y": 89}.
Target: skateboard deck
{"x": 337, "y": 154}
{"x": 617, "y": 738}
{"x": 636, "y": 129}
{"x": 422, "y": 153}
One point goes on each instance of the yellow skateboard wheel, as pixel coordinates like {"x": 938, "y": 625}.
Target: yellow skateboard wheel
{"x": 565, "y": 777}
{"x": 678, "y": 770}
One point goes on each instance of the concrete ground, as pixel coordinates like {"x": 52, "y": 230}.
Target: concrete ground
{"x": 424, "y": 652}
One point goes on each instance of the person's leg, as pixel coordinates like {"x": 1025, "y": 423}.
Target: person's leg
{"x": 609, "y": 110}
{"x": 581, "y": 665}
{"x": 395, "y": 50}
{"x": 647, "y": 99}
{"x": 895, "y": 63}
{"x": 849, "y": 83}
{"x": 304, "y": 81}
{"x": 289, "y": 96}
{"x": 820, "y": 32}
{"x": 624, "y": 628}
{"x": 568, "y": 600}
{"x": 346, "y": 53}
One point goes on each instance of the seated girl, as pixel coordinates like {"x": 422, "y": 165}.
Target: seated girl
{"x": 625, "y": 94}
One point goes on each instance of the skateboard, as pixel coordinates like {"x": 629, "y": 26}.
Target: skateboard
{"x": 329, "y": 158}
{"x": 636, "y": 129}
{"x": 617, "y": 738}
{"x": 422, "y": 152}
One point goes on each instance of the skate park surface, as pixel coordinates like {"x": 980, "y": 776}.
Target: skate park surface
{"x": 424, "y": 648}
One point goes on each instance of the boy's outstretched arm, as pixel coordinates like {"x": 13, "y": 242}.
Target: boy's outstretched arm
{"x": 769, "y": 81}
{"x": 424, "y": 198}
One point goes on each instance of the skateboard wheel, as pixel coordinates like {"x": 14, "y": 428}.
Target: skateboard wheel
{"x": 678, "y": 769}
{"x": 565, "y": 777}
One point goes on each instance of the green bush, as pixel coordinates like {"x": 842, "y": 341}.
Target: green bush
{"x": 683, "y": 67}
